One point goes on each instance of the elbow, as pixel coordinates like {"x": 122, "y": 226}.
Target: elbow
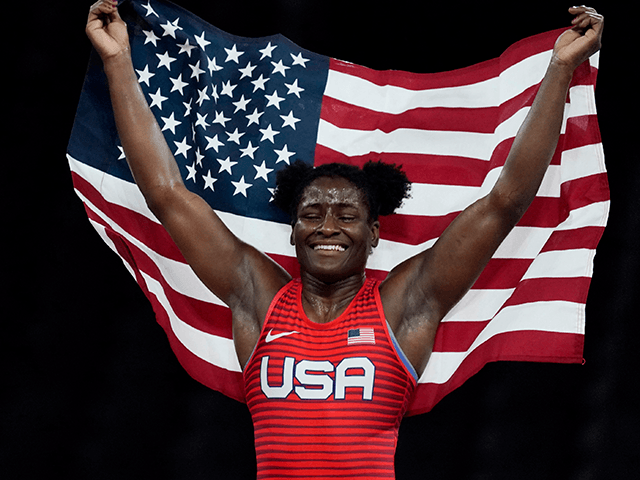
{"x": 160, "y": 199}
{"x": 511, "y": 205}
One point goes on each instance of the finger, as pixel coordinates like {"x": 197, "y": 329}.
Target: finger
{"x": 581, "y": 9}
{"x": 587, "y": 19}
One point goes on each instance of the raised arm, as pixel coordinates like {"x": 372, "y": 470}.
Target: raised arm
{"x": 420, "y": 292}
{"x": 238, "y": 274}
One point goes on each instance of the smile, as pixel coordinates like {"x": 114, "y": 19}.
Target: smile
{"x": 332, "y": 248}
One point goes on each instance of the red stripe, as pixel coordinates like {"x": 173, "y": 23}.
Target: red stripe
{"x": 432, "y": 169}
{"x": 147, "y": 231}
{"x": 525, "y": 346}
{"x": 586, "y": 237}
{"x": 463, "y": 76}
{"x": 573, "y": 289}
{"x": 345, "y": 115}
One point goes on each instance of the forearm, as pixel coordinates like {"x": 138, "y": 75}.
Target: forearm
{"x": 148, "y": 155}
{"x": 535, "y": 142}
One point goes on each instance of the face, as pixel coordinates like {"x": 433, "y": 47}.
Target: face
{"x": 332, "y": 234}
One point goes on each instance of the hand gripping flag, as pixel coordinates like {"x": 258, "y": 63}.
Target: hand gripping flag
{"x": 234, "y": 110}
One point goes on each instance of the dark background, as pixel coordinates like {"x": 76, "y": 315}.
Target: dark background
{"x": 90, "y": 387}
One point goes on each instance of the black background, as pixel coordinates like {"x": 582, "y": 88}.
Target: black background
{"x": 90, "y": 387}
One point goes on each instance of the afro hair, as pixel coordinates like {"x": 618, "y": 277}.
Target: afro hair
{"x": 385, "y": 185}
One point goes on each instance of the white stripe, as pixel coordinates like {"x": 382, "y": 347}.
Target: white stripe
{"x": 478, "y": 305}
{"x": 557, "y": 316}
{"x": 425, "y": 142}
{"x": 391, "y": 99}
{"x": 562, "y": 264}
{"x": 216, "y": 350}
{"x": 582, "y": 162}
{"x": 593, "y": 215}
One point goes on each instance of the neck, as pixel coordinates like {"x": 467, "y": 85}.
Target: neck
{"x": 324, "y": 302}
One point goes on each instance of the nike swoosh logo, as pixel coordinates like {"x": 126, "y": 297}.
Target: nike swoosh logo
{"x": 271, "y": 338}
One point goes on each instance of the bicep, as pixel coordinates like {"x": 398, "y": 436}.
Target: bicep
{"x": 233, "y": 270}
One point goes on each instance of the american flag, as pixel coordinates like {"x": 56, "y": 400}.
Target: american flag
{"x": 234, "y": 110}
{"x": 359, "y": 336}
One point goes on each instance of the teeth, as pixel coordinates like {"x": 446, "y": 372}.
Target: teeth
{"x": 337, "y": 248}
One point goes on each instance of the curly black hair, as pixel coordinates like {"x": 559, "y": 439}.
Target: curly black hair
{"x": 385, "y": 185}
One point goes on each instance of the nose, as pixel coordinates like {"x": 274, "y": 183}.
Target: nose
{"x": 328, "y": 226}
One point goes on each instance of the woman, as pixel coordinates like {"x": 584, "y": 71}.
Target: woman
{"x": 330, "y": 360}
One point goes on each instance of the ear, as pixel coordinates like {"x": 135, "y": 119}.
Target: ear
{"x": 291, "y": 239}
{"x": 375, "y": 233}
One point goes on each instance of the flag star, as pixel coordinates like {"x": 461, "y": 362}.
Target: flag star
{"x": 213, "y": 142}
{"x": 254, "y": 117}
{"x": 280, "y": 68}
{"x": 284, "y": 155}
{"x": 212, "y": 66}
{"x": 186, "y": 47}
{"x": 274, "y": 99}
{"x": 294, "y": 89}
{"x": 214, "y": 93}
{"x": 268, "y": 134}
{"x": 262, "y": 171}
{"x": 226, "y": 164}
{"x": 183, "y": 147}
{"x": 267, "y": 51}
{"x": 170, "y": 123}
{"x": 170, "y": 28}
{"x": 227, "y": 88}
{"x": 145, "y": 75}
{"x": 199, "y": 157}
{"x": 187, "y": 107}
{"x": 248, "y": 151}
{"x": 157, "y": 99}
{"x": 233, "y": 54}
{"x": 241, "y": 104}
{"x": 202, "y": 96}
{"x": 202, "y": 120}
{"x": 289, "y": 120}
{"x": 259, "y": 83}
{"x": 247, "y": 71}
{"x": 209, "y": 181}
{"x": 241, "y": 187}
{"x": 178, "y": 84}
{"x": 150, "y": 10}
{"x": 201, "y": 41}
{"x": 299, "y": 60}
{"x": 235, "y": 136}
{"x": 165, "y": 60}
{"x": 122, "y": 155}
{"x": 151, "y": 37}
{"x": 196, "y": 71}
{"x": 221, "y": 119}
{"x": 192, "y": 172}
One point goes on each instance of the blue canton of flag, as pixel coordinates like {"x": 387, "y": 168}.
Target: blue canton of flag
{"x": 233, "y": 110}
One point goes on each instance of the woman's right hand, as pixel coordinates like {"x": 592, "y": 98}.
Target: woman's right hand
{"x": 106, "y": 30}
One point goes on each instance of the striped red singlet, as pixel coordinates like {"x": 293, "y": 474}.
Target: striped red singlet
{"x": 327, "y": 399}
